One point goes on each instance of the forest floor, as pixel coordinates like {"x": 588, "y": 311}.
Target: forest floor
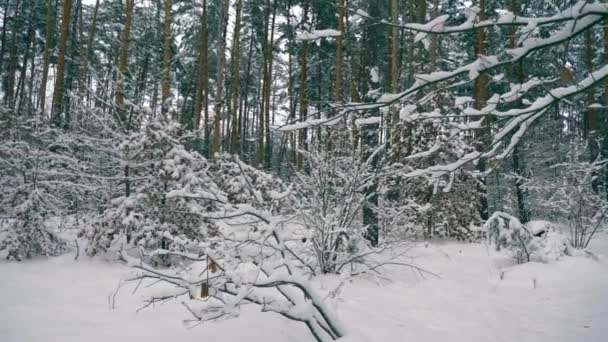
{"x": 477, "y": 297}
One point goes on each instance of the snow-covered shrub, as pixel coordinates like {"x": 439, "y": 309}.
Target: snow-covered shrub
{"x": 570, "y": 197}
{"x": 44, "y": 174}
{"x": 26, "y": 235}
{"x": 169, "y": 191}
{"x": 537, "y": 240}
{"x": 245, "y": 184}
{"x": 331, "y": 204}
{"x": 166, "y": 189}
{"x": 506, "y": 232}
{"x": 245, "y": 264}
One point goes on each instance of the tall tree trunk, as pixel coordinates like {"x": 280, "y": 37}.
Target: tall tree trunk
{"x": 236, "y": 57}
{"x": 84, "y": 67}
{"x": 166, "y": 75}
{"x": 434, "y": 46}
{"x": 393, "y": 131}
{"x": 517, "y": 76}
{"x": 262, "y": 112}
{"x": 9, "y": 78}
{"x": 203, "y": 73}
{"x": 124, "y": 62}
{"x": 29, "y": 54}
{"x": 244, "y": 120}
{"x": 590, "y": 119}
{"x": 339, "y": 48}
{"x": 71, "y": 71}
{"x": 269, "y": 60}
{"x": 59, "y": 79}
{"x": 480, "y": 96}
{"x": 7, "y": 4}
{"x": 48, "y": 49}
{"x": 215, "y": 144}
{"x": 303, "y": 93}
{"x": 604, "y": 181}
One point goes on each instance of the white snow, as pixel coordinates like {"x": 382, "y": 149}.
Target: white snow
{"x": 480, "y": 296}
{"x": 367, "y": 121}
{"x": 318, "y": 34}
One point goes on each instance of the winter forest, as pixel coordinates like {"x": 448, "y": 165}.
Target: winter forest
{"x": 303, "y": 170}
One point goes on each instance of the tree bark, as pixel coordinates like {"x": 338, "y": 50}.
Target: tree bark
{"x": 339, "y": 48}
{"x": 480, "y": 96}
{"x": 203, "y": 73}
{"x": 124, "y": 62}
{"x": 7, "y": 4}
{"x": 9, "y": 78}
{"x": 215, "y": 144}
{"x": 517, "y": 76}
{"x": 303, "y": 94}
{"x": 268, "y": 95}
{"x": 166, "y": 74}
{"x": 59, "y": 81}
{"x": 84, "y": 68}
{"x": 234, "y": 103}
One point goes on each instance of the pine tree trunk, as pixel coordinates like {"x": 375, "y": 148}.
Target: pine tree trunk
{"x": 603, "y": 181}
{"x": 269, "y": 60}
{"x": 48, "y": 49}
{"x": 434, "y": 46}
{"x": 71, "y": 71}
{"x": 29, "y": 54}
{"x": 84, "y": 68}
{"x": 517, "y": 76}
{"x": 9, "y": 78}
{"x": 339, "y": 48}
{"x": 244, "y": 121}
{"x": 303, "y": 94}
{"x": 234, "y": 103}
{"x": 480, "y": 96}
{"x": 215, "y": 144}
{"x": 56, "y": 119}
{"x": 166, "y": 74}
{"x": 202, "y": 71}
{"x": 262, "y": 114}
{"x": 7, "y": 4}
{"x": 124, "y": 61}
{"x": 393, "y": 119}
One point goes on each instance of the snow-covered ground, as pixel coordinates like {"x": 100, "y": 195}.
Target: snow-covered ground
{"x": 477, "y": 298}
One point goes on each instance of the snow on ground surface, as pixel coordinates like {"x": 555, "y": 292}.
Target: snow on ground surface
{"x": 479, "y": 297}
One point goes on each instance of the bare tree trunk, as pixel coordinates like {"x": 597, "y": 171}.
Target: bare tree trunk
{"x": 215, "y": 145}
{"x": 7, "y": 4}
{"x": 9, "y": 80}
{"x": 70, "y": 72}
{"x": 303, "y": 95}
{"x": 261, "y": 147}
{"x": 202, "y": 72}
{"x": 517, "y": 76}
{"x": 29, "y": 54}
{"x": 341, "y": 10}
{"x": 434, "y": 47}
{"x": 124, "y": 61}
{"x": 48, "y": 49}
{"x": 244, "y": 120}
{"x": 84, "y": 67}
{"x": 166, "y": 75}
{"x": 59, "y": 81}
{"x": 393, "y": 132}
{"x": 480, "y": 96}
{"x": 269, "y": 60}
{"x": 603, "y": 179}
{"x": 236, "y": 56}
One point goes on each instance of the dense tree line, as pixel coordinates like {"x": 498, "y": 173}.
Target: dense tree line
{"x": 436, "y": 97}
